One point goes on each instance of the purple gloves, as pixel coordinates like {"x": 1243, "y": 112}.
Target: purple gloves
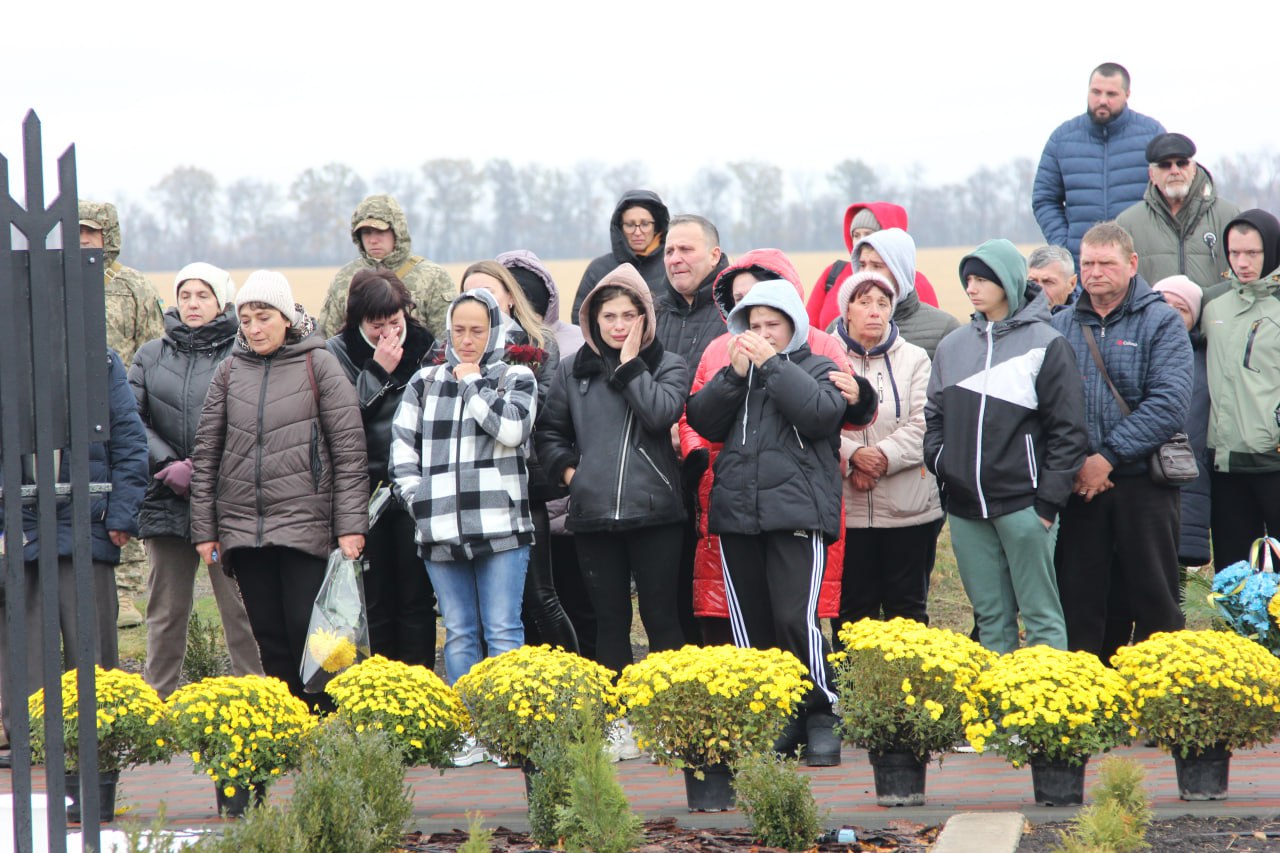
{"x": 177, "y": 476}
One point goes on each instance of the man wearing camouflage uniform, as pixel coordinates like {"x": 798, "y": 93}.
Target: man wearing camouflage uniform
{"x": 381, "y": 233}
{"x": 135, "y": 315}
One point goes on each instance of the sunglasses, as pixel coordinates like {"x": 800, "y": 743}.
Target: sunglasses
{"x": 1166, "y": 165}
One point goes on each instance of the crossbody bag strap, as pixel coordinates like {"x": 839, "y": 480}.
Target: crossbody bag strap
{"x": 1102, "y": 368}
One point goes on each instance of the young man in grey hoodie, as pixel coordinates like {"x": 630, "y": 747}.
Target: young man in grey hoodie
{"x": 892, "y": 253}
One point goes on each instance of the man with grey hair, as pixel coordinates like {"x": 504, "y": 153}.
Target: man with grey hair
{"x": 1177, "y": 225}
{"x": 1053, "y": 268}
{"x": 688, "y": 318}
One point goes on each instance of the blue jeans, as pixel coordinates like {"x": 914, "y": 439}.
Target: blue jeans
{"x": 475, "y": 595}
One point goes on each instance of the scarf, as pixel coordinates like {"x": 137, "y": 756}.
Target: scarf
{"x": 877, "y": 351}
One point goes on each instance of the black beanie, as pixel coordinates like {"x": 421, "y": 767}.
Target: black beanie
{"x": 976, "y": 266}
{"x": 535, "y": 289}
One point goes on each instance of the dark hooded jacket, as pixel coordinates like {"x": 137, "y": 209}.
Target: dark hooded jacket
{"x": 428, "y": 283}
{"x": 650, "y": 266}
{"x": 121, "y": 461}
{"x": 822, "y": 306}
{"x": 1004, "y": 421}
{"x": 379, "y": 392}
{"x": 685, "y": 328}
{"x": 278, "y": 460}
{"x": 612, "y": 422}
{"x": 779, "y": 466}
{"x": 170, "y": 377}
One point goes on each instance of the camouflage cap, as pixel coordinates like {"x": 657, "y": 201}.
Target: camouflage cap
{"x": 380, "y": 224}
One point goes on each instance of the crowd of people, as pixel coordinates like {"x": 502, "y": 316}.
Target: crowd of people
{"x": 746, "y": 460}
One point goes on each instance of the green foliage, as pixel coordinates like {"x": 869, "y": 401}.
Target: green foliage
{"x": 777, "y": 801}
{"x": 479, "y": 839}
{"x": 350, "y": 796}
{"x": 597, "y": 816}
{"x": 1117, "y": 820}
{"x": 205, "y": 657}
{"x": 151, "y": 837}
{"x": 1197, "y": 587}
{"x": 265, "y": 829}
{"x": 548, "y": 790}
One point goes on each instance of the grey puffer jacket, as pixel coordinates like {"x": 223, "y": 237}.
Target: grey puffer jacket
{"x": 278, "y": 461}
{"x": 170, "y": 377}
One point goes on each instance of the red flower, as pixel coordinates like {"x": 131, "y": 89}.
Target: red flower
{"x": 525, "y": 354}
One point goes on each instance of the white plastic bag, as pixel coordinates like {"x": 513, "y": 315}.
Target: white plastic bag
{"x": 338, "y": 636}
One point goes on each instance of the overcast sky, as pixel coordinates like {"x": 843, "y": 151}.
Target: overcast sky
{"x": 255, "y": 89}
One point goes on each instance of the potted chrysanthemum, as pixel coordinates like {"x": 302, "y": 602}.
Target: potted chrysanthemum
{"x": 1201, "y": 695}
{"x": 411, "y": 705}
{"x": 519, "y": 698}
{"x": 131, "y": 729}
{"x": 702, "y": 708}
{"x": 242, "y": 731}
{"x": 902, "y": 686}
{"x": 1052, "y": 709}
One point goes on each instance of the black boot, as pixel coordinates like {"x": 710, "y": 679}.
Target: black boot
{"x": 793, "y": 736}
{"x": 823, "y": 749}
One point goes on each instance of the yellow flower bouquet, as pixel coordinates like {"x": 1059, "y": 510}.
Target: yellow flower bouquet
{"x": 701, "y": 706}
{"x": 417, "y": 711}
{"x": 241, "y": 731}
{"x": 1043, "y": 704}
{"x": 1197, "y": 690}
{"x": 519, "y": 698}
{"x": 132, "y": 727}
{"x": 902, "y": 685}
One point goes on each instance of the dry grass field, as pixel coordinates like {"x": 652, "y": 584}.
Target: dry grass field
{"x": 939, "y": 265}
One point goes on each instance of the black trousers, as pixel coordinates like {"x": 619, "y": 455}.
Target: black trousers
{"x": 1244, "y": 507}
{"x": 279, "y": 586}
{"x": 609, "y": 562}
{"x": 571, "y": 589}
{"x": 544, "y": 618}
{"x": 886, "y": 573}
{"x": 397, "y": 592}
{"x": 1128, "y": 534}
{"x": 772, "y": 584}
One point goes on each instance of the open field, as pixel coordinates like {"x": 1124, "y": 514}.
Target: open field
{"x": 939, "y": 265}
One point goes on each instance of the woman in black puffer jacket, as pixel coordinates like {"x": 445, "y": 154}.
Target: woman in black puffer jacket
{"x": 170, "y": 377}
{"x": 381, "y": 346}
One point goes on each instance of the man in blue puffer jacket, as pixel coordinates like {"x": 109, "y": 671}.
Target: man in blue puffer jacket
{"x": 1094, "y": 166}
{"x": 1119, "y": 528}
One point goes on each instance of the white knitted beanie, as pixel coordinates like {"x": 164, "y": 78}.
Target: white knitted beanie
{"x": 219, "y": 280}
{"x": 270, "y": 287}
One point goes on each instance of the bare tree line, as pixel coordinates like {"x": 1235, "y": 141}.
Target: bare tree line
{"x": 459, "y": 210}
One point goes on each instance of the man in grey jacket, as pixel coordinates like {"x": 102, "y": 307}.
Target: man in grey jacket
{"x": 892, "y": 253}
{"x": 1177, "y": 225}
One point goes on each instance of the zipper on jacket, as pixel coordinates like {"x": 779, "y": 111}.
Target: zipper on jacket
{"x": 1031, "y": 461}
{"x": 652, "y": 464}
{"x": 457, "y": 461}
{"x": 982, "y": 413}
{"x": 257, "y": 474}
{"x": 186, "y": 411}
{"x": 1248, "y": 344}
{"x": 622, "y": 463}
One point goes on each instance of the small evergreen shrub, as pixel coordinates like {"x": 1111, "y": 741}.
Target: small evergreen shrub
{"x": 479, "y": 839}
{"x": 1118, "y": 818}
{"x": 205, "y": 656}
{"x": 597, "y": 816}
{"x": 777, "y": 801}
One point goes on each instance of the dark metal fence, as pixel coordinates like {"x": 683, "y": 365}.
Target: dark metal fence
{"x": 53, "y": 403}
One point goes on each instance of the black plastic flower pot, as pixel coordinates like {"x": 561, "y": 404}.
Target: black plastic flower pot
{"x": 899, "y": 778}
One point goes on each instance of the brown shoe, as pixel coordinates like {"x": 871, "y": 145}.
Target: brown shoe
{"x": 128, "y": 617}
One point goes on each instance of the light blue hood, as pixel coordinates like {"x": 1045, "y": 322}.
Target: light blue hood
{"x": 781, "y": 296}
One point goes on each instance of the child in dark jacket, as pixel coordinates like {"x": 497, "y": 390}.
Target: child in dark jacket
{"x": 776, "y": 499}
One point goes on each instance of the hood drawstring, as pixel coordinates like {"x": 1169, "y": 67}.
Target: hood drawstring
{"x": 746, "y": 404}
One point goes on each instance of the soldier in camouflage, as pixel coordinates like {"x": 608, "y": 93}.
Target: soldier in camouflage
{"x": 381, "y": 233}
{"x": 135, "y": 315}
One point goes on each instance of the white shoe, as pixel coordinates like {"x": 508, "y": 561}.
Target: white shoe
{"x": 622, "y": 742}
{"x": 471, "y": 753}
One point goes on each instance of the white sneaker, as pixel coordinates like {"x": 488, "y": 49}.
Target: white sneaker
{"x": 471, "y": 753}
{"x": 622, "y": 742}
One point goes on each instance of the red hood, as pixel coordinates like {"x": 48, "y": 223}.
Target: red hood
{"x": 773, "y": 260}
{"x": 889, "y": 215}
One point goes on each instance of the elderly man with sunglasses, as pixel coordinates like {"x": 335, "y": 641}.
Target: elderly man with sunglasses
{"x": 1177, "y": 227}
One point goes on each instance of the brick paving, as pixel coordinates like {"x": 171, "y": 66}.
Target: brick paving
{"x": 963, "y": 782}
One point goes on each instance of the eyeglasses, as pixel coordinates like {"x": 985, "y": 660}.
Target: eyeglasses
{"x": 638, "y": 226}
{"x": 1251, "y": 254}
{"x": 1166, "y": 165}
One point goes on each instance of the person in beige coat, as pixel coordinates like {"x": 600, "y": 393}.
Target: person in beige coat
{"x": 280, "y": 471}
{"x": 891, "y": 502}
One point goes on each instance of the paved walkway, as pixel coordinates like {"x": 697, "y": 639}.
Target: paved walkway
{"x": 963, "y": 782}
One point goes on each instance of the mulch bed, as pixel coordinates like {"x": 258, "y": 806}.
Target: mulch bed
{"x": 1180, "y": 835}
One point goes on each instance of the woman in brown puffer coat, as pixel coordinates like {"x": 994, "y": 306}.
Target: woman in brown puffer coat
{"x": 280, "y": 470}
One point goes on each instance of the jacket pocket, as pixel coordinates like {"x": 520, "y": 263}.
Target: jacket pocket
{"x": 647, "y": 458}
{"x": 1032, "y": 468}
{"x": 317, "y": 462}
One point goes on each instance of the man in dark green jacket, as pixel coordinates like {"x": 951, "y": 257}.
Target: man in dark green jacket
{"x": 1177, "y": 226}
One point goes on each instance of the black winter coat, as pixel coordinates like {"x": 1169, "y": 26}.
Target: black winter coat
{"x": 170, "y": 377}
{"x": 650, "y": 266}
{"x": 379, "y": 392}
{"x": 779, "y": 468}
{"x": 614, "y": 427}
{"x": 1193, "y": 540}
